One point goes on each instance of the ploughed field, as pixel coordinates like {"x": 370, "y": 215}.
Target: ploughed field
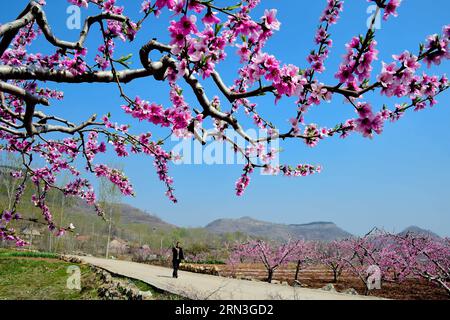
{"x": 317, "y": 277}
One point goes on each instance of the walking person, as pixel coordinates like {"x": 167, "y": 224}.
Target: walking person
{"x": 178, "y": 255}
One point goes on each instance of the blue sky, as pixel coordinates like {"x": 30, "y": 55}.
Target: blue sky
{"x": 398, "y": 179}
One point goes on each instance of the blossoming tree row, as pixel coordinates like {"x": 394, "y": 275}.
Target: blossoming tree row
{"x": 392, "y": 258}
{"x": 202, "y": 34}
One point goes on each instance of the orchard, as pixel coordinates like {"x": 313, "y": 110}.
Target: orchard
{"x": 380, "y": 256}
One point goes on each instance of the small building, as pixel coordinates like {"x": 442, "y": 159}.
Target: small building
{"x": 30, "y": 232}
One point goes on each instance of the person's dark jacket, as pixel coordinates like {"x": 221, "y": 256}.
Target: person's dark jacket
{"x": 179, "y": 255}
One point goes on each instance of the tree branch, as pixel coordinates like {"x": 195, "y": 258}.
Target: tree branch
{"x": 34, "y": 12}
{"x": 22, "y": 93}
{"x": 64, "y": 76}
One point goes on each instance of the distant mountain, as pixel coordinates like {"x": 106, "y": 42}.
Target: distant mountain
{"x": 419, "y": 231}
{"x": 132, "y": 215}
{"x": 319, "y": 231}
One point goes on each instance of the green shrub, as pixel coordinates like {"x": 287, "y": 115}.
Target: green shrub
{"x": 29, "y": 254}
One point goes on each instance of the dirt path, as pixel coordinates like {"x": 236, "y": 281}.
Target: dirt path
{"x": 205, "y": 287}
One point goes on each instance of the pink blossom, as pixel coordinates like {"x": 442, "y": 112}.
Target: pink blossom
{"x": 391, "y": 8}
{"x": 211, "y": 18}
{"x": 270, "y": 20}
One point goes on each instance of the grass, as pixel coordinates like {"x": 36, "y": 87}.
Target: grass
{"x": 40, "y": 278}
{"x": 31, "y": 275}
{"x": 28, "y": 254}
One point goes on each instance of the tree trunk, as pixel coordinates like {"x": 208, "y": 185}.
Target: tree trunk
{"x": 49, "y": 242}
{"x": 297, "y": 270}
{"x": 366, "y": 286}
{"x": 366, "y": 290}
{"x": 270, "y": 276}
{"x": 444, "y": 285}
{"x": 109, "y": 233}
{"x": 335, "y": 275}
{"x": 59, "y": 242}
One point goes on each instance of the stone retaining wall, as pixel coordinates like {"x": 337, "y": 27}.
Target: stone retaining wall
{"x": 113, "y": 288}
{"x": 195, "y": 268}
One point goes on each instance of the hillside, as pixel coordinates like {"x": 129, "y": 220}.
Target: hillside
{"x": 131, "y": 215}
{"x": 322, "y": 231}
{"x": 419, "y": 231}
{"x": 137, "y": 227}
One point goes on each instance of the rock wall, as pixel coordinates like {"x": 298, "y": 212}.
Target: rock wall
{"x": 113, "y": 288}
{"x": 196, "y": 268}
